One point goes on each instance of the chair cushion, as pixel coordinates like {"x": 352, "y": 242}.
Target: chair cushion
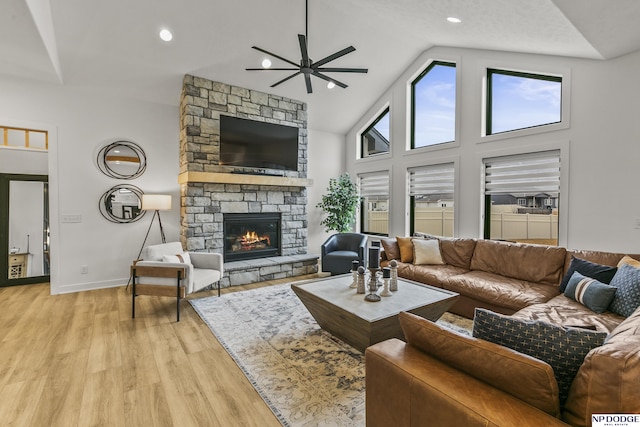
{"x": 342, "y": 254}
{"x": 156, "y": 252}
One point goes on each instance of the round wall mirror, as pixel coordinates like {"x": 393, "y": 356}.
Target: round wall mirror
{"x": 122, "y": 160}
{"x": 122, "y": 204}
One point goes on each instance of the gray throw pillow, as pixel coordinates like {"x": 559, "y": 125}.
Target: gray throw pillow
{"x": 627, "y": 298}
{"x": 563, "y": 349}
{"x": 589, "y": 292}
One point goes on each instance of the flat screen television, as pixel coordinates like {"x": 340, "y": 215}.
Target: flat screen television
{"x": 249, "y": 143}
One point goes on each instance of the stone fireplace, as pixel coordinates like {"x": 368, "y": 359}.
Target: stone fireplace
{"x": 212, "y": 193}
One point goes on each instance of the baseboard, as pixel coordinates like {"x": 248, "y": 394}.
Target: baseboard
{"x": 89, "y": 286}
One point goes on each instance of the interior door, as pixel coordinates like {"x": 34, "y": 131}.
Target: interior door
{"x": 24, "y": 229}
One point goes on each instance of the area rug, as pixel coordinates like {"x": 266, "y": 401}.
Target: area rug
{"x": 305, "y": 375}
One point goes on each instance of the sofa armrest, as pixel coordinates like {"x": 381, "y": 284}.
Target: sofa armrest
{"x": 406, "y": 387}
{"x": 208, "y": 260}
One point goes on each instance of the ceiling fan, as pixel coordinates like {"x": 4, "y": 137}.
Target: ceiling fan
{"x": 307, "y": 67}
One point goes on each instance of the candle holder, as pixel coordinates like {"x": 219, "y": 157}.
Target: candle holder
{"x": 393, "y": 281}
{"x": 372, "y": 296}
{"x": 386, "y": 274}
{"x": 360, "y": 285}
{"x": 354, "y": 274}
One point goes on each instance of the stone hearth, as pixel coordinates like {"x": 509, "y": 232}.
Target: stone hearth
{"x": 209, "y": 189}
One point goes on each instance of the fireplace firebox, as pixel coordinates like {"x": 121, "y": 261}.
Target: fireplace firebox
{"x": 252, "y": 235}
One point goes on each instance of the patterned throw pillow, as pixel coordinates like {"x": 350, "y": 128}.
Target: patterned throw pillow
{"x": 589, "y": 292}
{"x": 563, "y": 349}
{"x": 602, "y": 273}
{"x": 627, "y": 298}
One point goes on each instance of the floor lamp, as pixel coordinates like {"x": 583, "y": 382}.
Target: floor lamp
{"x": 155, "y": 203}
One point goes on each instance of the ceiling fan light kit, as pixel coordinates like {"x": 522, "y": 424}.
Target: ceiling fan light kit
{"x": 307, "y": 67}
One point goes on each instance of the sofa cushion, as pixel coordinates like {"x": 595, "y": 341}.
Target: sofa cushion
{"x": 434, "y": 275}
{"x": 602, "y": 273}
{"x": 391, "y": 249}
{"x": 532, "y": 263}
{"x": 426, "y": 251}
{"x": 500, "y": 291}
{"x": 522, "y": 376}
{"x": 589, "y": 292}
{"x": 627, "y": 297}
{"x": 607, "y": 381}
{"x": 563, "y": 349}
{"x": 406, "y": 249}
{"x": 563, "y": 311}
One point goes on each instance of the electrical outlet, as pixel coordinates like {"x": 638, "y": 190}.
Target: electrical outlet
{"x": 637, "y": 223}
{"x": 84, "y": 269}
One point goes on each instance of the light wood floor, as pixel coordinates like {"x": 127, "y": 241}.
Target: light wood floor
{"x": 80, "y": 360}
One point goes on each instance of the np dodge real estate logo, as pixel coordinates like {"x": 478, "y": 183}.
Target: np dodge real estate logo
{"x": 615, "y": 420}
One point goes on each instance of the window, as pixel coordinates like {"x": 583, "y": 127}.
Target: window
{"x": 375, "y": 139}
{"x": 433, "y": 105}
{"x": 530, "y": 178}
{"x": 431, "y": 189}
{"x": 521, "y": 100}
{"x": 33, "y": 139}
{"x": 374, "y": 211}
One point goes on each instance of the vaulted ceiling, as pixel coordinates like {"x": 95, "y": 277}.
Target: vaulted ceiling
{"x": 113, "y": 46}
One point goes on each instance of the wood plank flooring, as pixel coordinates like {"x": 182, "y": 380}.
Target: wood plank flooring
{"x": 80, "y": 360}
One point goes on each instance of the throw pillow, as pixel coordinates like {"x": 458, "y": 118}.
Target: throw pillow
{"x": 391, "y": 248}
{"x": 426, "y": 252}
{"x": 406, "y": 249}
{"x": 628, "y": 260}
{"x": 563, "y": 349}
{"x": 182, "y": 258}
{"x": 602, "y": 273}
{"x": 627, "y": 298}
{"x": 589, "y": 292}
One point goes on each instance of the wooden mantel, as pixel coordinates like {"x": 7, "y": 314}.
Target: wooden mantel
{"x": 236, "y": 178}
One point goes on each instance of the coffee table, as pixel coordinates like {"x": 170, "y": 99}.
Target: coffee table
{"x": 341, "y": 311}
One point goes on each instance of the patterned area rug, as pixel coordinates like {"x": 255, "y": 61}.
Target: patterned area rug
{"x": 306, "y": 376}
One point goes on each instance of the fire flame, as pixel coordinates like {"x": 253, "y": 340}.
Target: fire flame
{"x": 251, "y": 237}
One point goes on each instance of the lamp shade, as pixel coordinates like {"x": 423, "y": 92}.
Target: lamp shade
{"x": 156, "y": 202}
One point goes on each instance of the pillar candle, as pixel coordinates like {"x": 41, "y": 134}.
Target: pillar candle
{"x": 374, "y": 257}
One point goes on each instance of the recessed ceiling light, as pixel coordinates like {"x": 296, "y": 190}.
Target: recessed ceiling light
{"x": 331, "y": 85}
{"x": 454, "y": 20}
{"x": 266, "y": 63}
{"x": 166, "y": 35}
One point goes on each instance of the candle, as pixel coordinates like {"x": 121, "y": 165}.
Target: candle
{"x": 374, "y": 257}
{"x": 354, "y": 265}
{"x": 386, "y": 273}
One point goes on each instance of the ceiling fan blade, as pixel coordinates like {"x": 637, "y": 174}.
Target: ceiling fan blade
{"x": 286, "y": 78}
{"x": 307, "y": 80}
{"x": 334, "y": 56}
{"x": 275, "y": 56}
{"x": 272, "y": 69}
{"x": 303, "y": 48}
{"x": 342, "y": 70}
{"x": 330, "y": 79}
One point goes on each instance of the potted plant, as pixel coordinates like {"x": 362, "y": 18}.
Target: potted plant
{"x": 340, "y": 204}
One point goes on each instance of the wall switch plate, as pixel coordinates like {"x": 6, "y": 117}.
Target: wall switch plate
{"x": 71, "y": 218}
{"x": 84, "y": 269}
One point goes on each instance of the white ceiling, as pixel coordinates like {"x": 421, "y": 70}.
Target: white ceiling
{"x": 113, "y": 46}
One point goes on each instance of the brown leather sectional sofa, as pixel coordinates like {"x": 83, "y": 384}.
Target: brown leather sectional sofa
{"x": 439, "y": 378}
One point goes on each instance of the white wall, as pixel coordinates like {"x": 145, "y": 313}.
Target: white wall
{"x": 326, "y": 160}
{"x": 84, "y": 121}
{"x": 600, "y": 150}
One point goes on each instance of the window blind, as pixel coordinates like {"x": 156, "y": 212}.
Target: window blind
{"x": 524, "y": 174}
{"x": 375, "y": 185}
{"x": 432, "y": 180}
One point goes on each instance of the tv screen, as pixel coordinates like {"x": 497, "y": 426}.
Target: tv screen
{"x": 249, "y": 143}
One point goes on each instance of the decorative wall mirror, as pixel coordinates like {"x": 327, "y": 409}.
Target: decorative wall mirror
{"x": 122, "y": 160}
{"x": 122, "y": 204}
